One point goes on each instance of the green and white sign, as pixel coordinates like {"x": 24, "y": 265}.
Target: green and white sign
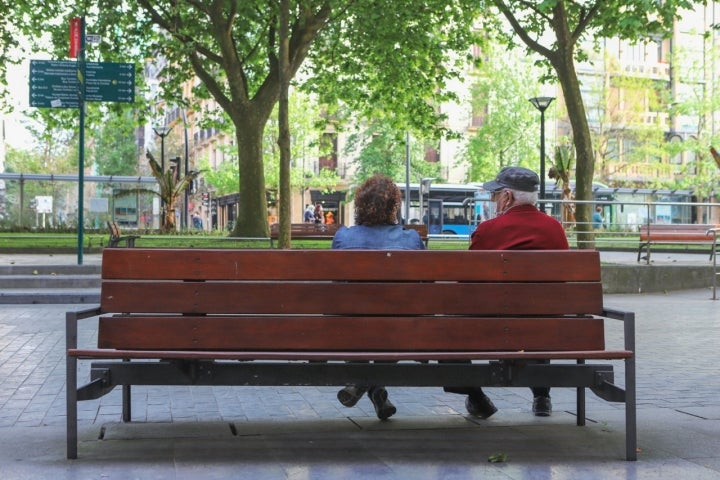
{"x": 54, "y": 83}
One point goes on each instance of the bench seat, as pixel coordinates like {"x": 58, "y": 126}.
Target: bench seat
{"x": 281, "y": 317}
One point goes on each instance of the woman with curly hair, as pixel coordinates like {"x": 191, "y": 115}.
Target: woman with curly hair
{"x": 377, "y": 202}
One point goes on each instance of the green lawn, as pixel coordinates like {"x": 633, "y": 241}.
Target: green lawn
{"x": 94, "y": 241}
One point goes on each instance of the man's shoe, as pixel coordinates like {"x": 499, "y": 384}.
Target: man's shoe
{"x": 384, "y": 408}
{"x": 480, "y": 406}
{"x": 542, "y": 406}
{"x": 350, "y": 395}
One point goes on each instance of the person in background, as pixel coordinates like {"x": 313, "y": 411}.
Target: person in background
{"x": 377, "y": 201}
{"x": 309, "y": 215}
{"x": 597, "y": 218}
{"x": 318, "y": 215}
{"x": 518, "y": 225}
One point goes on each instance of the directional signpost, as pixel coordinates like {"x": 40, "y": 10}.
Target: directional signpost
{"x": 68, "y": 84}
{"x": 54, "y": 83}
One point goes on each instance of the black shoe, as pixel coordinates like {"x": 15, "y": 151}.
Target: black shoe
{"x": 542, "y": 406}
{"x": 480, "y": 406}
{"x": 350, "y": 395}
{"x": 383, "y": 406}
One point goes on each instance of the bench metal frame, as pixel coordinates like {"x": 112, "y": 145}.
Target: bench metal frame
{"x": 515, "y": 370}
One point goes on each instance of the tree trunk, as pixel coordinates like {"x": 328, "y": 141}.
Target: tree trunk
{"x": 564, "y": 64}
{"x": 284, "y": 133}
{"x": 251, "y": 197}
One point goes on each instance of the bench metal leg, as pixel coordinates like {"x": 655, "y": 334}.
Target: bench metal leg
{"x": 71, "y": 385}
{"x": 630, "y": 387}
{"x": 581, "y": 402}
{"x": 126, "y": 401}
{"x": 646, "y": 247}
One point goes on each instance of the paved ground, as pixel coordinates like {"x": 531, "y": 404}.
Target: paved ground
{"x": 303, "y": 433}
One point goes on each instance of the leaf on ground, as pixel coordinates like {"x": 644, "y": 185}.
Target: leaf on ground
{"x": 497, "y": 458}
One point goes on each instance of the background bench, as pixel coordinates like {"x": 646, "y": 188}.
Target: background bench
{"x": 182, "y": 318}
{"x": 116, "y": 237}
{"x": 306, "y": 231}
{"x": 677, "y": 234}
{"x": 326, "y": 231}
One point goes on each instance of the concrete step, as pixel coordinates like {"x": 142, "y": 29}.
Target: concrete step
{"x": 49, "y": 284}
{"x": 50, "y": 296}
{"x": 49, "y": 281}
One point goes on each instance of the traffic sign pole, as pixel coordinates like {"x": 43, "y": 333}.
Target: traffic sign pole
{"x": 81, "y": 155}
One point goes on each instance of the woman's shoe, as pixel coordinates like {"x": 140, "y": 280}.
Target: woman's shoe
{"x": 350, "y": 395}
{"x": 383, "y": 406}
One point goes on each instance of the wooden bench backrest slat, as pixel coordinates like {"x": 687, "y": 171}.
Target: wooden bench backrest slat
{"x": 307, "y": 229}
{"x": 363, "y": 298}
{"x": 350, "y": 333}
{"x": 676, "y": 232}
{"x": 355, "y": 265}
{"x": 114, "y": 229}
{"x": 325, "y": 299}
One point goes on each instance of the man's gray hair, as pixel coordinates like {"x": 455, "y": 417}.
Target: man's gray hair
{"x": 524, "y": 198}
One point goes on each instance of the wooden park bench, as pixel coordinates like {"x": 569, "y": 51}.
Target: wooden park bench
{"x": 424, "y": 313}
{"x": 306, "y": 231}
{"x": 116, "y": 237}
{"x": 324, "y": 231}
{"x": 674, "y": 233}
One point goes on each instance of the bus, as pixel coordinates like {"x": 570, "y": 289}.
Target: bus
{"x": 448, "y": 208}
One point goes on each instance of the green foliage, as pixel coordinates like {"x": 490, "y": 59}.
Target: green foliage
{"x": 391, "y": 59}
{"x": 222, "y": 180}
{"x": 554, "y": 30}
{"x": 503, "y": 85}
{"x": 380, "y": 149}
{"x": 400, "y": 60}
{"x": 114, "y": 145}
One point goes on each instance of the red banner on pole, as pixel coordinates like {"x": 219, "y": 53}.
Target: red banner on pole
{"x": 75, "y": 28}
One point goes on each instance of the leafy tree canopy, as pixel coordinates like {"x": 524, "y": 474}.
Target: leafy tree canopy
{"x": 397, "y": 58}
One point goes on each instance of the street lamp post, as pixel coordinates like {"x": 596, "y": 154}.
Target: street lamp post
{"x": 542, "y": 103}
{"x": 162, "y": 132}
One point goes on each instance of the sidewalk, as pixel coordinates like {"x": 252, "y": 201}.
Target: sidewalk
{"x": 304, "y": 433}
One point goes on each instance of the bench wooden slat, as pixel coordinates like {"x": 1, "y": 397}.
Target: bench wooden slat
{"x": 394, "y": 298}
{"x": 350, "y": 333}
{"x": 347, "y": 356}
{"x": 676, "y": 233}
{"x": 248, "y": 264}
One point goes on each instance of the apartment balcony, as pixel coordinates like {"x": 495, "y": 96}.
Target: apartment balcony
{"x": 638, "y": 172}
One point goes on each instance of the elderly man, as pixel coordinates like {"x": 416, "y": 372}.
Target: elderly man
{"x": 518, "y": 225}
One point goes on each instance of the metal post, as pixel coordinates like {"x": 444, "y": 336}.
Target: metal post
{"x": 542, "y": 103}
{"x": 187, "y": 200}
{"x": 407, "y": 178}
{"x": 162, "y": 132}
{"x": 81, "y": 141}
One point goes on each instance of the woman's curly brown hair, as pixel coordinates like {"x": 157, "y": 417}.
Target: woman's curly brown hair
{"x": 377, "y": 201}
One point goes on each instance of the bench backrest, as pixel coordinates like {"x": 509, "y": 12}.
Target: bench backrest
{"x": 368, "y": 300}
{"x": 420, "y": 228}
{"x": 675, "y": 231}
{"x": 307, "y": 230}
{"x": 114, "y": 229}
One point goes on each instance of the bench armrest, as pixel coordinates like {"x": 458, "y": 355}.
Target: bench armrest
{"x": 628, "y": 319}
{"x": 84, "y": 313}
{"x": 617, "y": 314}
